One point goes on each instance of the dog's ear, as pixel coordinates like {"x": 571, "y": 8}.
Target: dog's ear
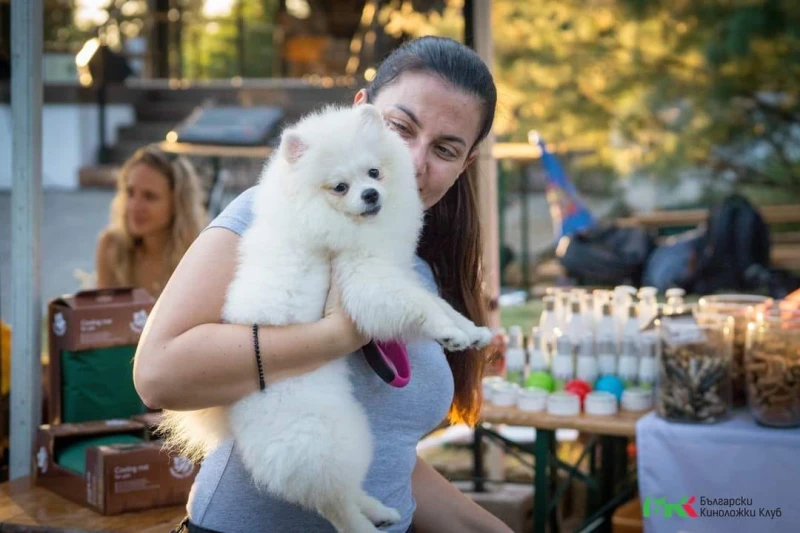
{"x": 370, "y": 115}
{"x": 292, "y": 146}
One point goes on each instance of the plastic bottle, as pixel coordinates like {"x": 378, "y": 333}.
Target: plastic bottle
{"x": 648, "y": 357}
{"x": 586, "y": 366}
{"x": 628, "y": 369}
{"x": 515, "y": 357}
{"x": 580, "y": 333}
{"x": 538, "y": 360}
{"x": 548, "y": 322}
{"x": 606, "y": 342}
{"x": 647, "y": 306}
{"x": 623, "y": 300}
{"x": 675, "y": 304}
{"x": 563, "y": 365}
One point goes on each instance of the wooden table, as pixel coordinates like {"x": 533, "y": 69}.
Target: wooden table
{"x": 621, "y": 425}
{"x": 25, "y": 507}
{"x": 609, "y": 485}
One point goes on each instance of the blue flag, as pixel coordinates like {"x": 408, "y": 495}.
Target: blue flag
{"x": 569, "y": 214}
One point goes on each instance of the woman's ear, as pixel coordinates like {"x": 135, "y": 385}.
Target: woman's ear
{"x": 361, "y": 97}
{"x": 470, "y": 159}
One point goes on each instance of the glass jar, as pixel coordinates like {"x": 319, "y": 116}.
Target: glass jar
{"x": 742, "y": 307}
{"x": 772, "y": 367}
{"x": 693, "y": 381}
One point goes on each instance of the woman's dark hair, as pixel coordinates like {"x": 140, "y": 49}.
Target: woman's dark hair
{"x": 455, "y": 259}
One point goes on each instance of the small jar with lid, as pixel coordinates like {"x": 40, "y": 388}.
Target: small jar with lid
{"x": 772, "y": 366}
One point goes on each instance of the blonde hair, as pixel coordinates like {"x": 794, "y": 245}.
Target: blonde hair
{"x": 188, "y": 213}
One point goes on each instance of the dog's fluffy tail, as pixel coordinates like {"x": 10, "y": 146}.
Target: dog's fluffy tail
{"x": 193, "y": 434}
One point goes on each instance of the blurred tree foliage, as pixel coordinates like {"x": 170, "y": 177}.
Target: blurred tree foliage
{"x": 650, "y": 86}
{"x": 212, "y": 48}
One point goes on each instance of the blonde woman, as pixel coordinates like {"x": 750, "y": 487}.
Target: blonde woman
{"x": 156, "y": 214}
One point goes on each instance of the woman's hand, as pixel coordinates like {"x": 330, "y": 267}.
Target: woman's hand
{"x": 338, "y": 320}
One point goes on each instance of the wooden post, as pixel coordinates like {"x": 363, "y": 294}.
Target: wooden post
{"x": 487, "y": 166}
{"x": 26, "y": 210}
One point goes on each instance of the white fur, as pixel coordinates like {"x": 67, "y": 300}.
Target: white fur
{"x": 307, "y": 439}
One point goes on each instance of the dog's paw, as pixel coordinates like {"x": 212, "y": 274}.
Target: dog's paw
{"x": 479, "y": 337}
{"x": 378, "y": 514}
{"x": 452, "y": 338}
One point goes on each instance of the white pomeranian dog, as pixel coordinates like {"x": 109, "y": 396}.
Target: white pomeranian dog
{"x": 339, "y": 196}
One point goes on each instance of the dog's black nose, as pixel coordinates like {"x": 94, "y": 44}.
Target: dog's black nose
{"x": 369, "y": 196}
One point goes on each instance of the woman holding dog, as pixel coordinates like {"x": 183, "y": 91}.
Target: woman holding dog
{"x": 440, "y": 97}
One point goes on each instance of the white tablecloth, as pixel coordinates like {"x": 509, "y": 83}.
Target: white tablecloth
{"x": 736, "y": 467}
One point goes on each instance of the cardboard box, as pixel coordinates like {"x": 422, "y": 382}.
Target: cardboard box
{"x": 628, "y": 518}
{"x": 118, "y": 477}
{"x": 150, "y": 421}
{"x": 511, "y": 503}
{"x": 79, "y": 326}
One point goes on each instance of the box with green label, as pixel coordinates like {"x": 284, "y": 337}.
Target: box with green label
{"x": 110, "y": 466}
{"x": 93, "y": 338}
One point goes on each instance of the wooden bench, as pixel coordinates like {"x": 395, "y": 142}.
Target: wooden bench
{"x": 785, "y": 251}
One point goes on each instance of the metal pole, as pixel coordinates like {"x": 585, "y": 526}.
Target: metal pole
{"x": 26, "y": 208}
{"x": 487, "y": 169}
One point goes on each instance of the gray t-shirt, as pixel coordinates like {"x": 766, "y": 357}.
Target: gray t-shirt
{"x": 224, "y": 498}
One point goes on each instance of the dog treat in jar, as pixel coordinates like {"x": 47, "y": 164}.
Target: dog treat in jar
{"x": 742, "y": 307}
{"x": 693, "y": 382}
{"x": 772, "y": 369}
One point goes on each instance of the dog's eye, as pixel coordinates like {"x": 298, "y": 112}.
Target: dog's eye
{"x": 341, "y": 188}
{"x": 374, "y": 173}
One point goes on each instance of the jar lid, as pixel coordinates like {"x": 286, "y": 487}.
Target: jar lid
{"x": 563, "y": 404}
{"x": 533, "y": 399}
{"x": 504, "y": 394}
{"x": 600, "y": 403}
{"x": 487, "y": 384}
{"x": 637, "y": 399}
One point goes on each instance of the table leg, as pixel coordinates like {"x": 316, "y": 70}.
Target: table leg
{"x": 613, "y": 470}
{"x": 477, "y": 459}
{"x": 541, "y": 481}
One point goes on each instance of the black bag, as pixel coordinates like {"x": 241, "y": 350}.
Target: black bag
{"x": 606, "y": 255}
{"x": 736, "y": 239}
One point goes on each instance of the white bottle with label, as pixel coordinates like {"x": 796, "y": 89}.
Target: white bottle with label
{"x": 647, "y": 306}
{"x": 628, "y": 369}
{"x": 606, "y": 342}
{"x": 515, "y": 357}
{"x": 586, "y": 366}
{"x": 623, "y": 300}
{"x": 548, "y": 322}
{"x": 579, "y": 331}
{"x": 648, "y": 358}
{"x": 563, "y": 367}
{"x": 537, "y": 359}
{"x": 675, "y": 304}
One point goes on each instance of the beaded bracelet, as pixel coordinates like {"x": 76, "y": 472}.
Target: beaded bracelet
{"x": 258, "y": 357}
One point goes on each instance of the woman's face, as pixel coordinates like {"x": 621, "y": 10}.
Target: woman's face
{"x": 439, "y": 123}
{"x": 149, "y": 206}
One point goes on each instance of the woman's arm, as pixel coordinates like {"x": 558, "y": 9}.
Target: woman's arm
{"x": 442, "y": 508}
{"x": 102, "y": 262}
{"x": 187, "y": 359}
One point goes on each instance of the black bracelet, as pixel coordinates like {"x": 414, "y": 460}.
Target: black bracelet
{"x": 258, "y": 357}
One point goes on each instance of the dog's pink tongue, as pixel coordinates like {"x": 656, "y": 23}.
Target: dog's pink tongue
{"x": 395, "y": 354}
